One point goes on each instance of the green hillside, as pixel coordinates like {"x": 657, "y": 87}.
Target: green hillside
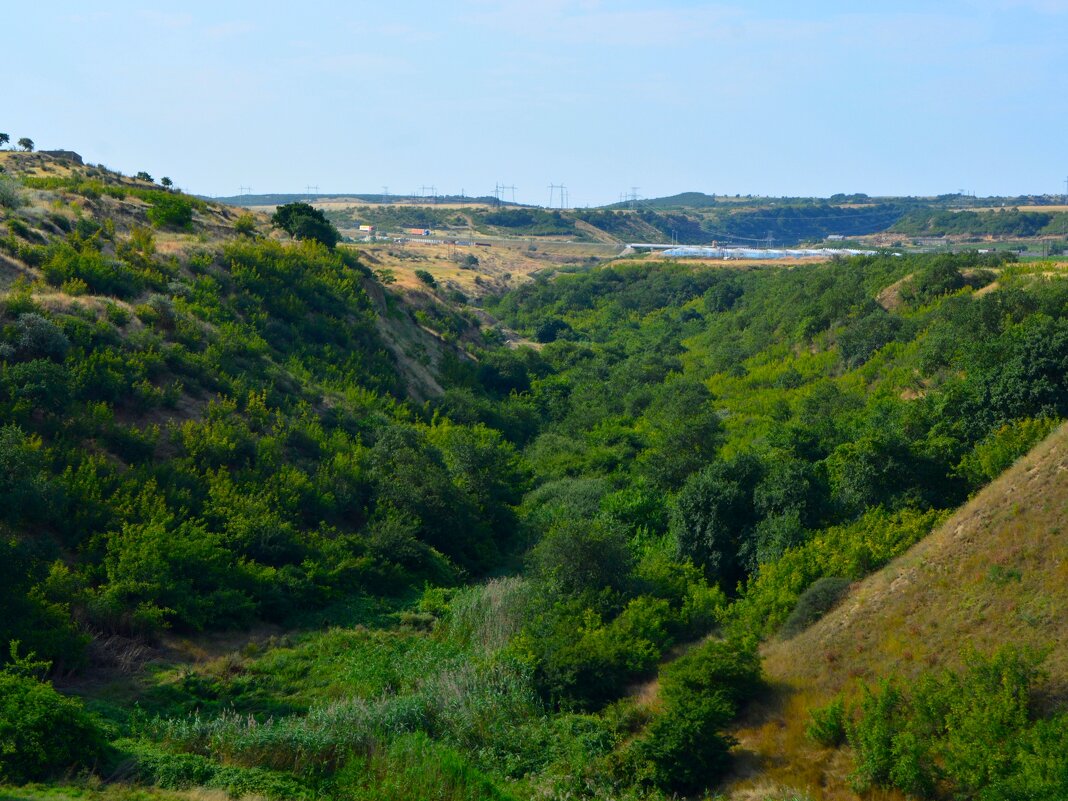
{"x": 275, "y": 528}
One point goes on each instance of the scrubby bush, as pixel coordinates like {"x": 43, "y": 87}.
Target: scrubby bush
{"x": 961, "y": 730}
{"x": 37, "y": 337}
{"x": 43, "y": 733}
{"x": 827, "y": 724}
{"x": 685, "y": 749}
{"x": 10, "y": 193}
{"x": 170, "y": 211}
{"x": 814, "y": 603}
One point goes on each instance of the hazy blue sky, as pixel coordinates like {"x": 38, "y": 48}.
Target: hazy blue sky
{"x": 778, "y": 98}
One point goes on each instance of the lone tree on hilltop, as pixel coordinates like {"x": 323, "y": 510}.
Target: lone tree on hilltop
{"x": 166, "y": 182}
{"x": 26, "y": 144}
{"x": 302, "y": 221}
{"x": 144, "y": 176}
{"x": 4, "y": 139}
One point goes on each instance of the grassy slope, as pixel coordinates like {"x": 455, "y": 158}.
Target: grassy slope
{"x": 416, "y": 349}
{"x": 995, "y": 572}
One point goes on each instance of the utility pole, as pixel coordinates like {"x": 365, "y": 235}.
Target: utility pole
{"x": 562, "y": 195}
{"x": 385, "y": 192}
{"x": 310, "y": 189}
{"x": 244, "y": 190}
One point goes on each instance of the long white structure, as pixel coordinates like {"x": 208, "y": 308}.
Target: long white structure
{"x": 693, "y": 252}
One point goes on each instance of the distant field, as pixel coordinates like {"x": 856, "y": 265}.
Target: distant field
{"x": 505, "y": 264}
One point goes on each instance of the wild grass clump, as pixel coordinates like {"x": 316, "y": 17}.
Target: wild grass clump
{"x": 487, "y": 616}
{"x": 479, "y": 708}
{"x": 415, "y": 768}
{"x": 184, "y": 771}
{"x": 303, "y": 744}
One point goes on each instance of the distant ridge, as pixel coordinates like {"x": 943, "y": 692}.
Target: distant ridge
{"x": 279, "y": 199}
{"x": 691, "y": 200}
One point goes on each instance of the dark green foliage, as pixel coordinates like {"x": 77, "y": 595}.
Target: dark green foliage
{"x": 1003, "y": 222}
{"x": 38, "y": 338}
{"x": 711, "y": 515}
{"x": 426, "y": 278}
{"x": 685, "y": 749}
{"x": 43, "y": 733}
{"x": 863, "y": 336}
{"x": 577, "y": 556}
{"x": 814, "y": 603}
{"x": 535, "y": 222}
{"x": 686, "y": 432}
{"x": 302, "y": 221}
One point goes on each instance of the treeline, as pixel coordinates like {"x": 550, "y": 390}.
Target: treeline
{"x": 1001, "y": 222}
{"x": 791, "y": 224}
{"x": 396, "y": 218}
{"x": 530, "y": 222}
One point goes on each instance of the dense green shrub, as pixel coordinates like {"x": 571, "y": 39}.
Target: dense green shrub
{"x": 814, "y": 603}
{"x": 685, "y": 749}
{"x": 43, "y": 733}
{"x": 710, "y": 517}
{"x": 168, "y": 210}
{"x": 827, "y": 724}
{"x": 970, "y": 731}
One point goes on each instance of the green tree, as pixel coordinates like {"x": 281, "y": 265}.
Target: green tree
{"x": 166, "y": 182}
{"x": 144, "y": 176}
{"x": 4, "y": 139}
{"x": 577, "y": 557}
{"x": 302, "y": 221}
{"x": 26, "y": 144}
{"x": 711, "y": 517}
{"x": 685, "y": 432}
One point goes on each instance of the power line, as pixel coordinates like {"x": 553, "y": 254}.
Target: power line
{"x": 498, "y": 191}
{"x": 312, "y": 189}
{"x": 244, "y": 190}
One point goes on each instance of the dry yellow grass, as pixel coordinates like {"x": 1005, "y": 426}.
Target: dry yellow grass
{"x": 996, "y": 572}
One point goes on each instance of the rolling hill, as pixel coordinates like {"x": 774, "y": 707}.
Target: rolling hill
{"x": 995, "y": 572}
